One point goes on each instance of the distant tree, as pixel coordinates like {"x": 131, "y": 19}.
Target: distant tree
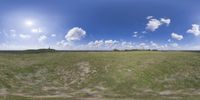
{"x": 116, "y": 50}
{"x": 154, "y": 50}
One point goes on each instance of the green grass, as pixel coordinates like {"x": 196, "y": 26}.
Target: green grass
{"x": 143, "y": 75}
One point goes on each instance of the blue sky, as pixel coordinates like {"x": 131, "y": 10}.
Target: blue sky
{"x": 99, "y": 24}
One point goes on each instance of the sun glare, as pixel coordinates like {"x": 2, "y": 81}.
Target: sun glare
{"x": 29, "y": 23}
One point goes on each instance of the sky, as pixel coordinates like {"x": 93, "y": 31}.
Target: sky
{"x": 100, "y": 24}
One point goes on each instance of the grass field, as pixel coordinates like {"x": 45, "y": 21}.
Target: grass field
{"x": 139, "y": 75}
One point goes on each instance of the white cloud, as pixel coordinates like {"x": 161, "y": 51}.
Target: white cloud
{"x": 154, "y": 24}
{"x": 195, "y": 30}
{"x": 135, "y": 35}
{"x": 135, "y": 32}
{"x": 169, "y": 40}
{"x": 153, "y": 44}
{"x": 36, "y": 30}
{"x": 10, "y": 33}
{"x": 13, "y": 33}
{"x": 108, "y": 42}
{"x": 176, "y": 36}
{"x": 42, "y": 38}
{"x": 139, "y": 35}
{"x": 111, "y": 43}
{"x": 63, "y": 43}
{"x": 149, "y": 17}
{"x": 96, "y": 44}
{"x": 101, "y": 44}
{"x": 174, "y": 45}
{"x": 144, "y": 32}
{"x": 127, "y": 45}
{"x": 75, "y": 33}
{"x": 53, "y": 35}
{"x": 13, "y": 46}
{"x": 165, "y": 21}
{"x": 24, "y": 36}
{"x": 115, "y": 44}
{"x": 143, "y": 46}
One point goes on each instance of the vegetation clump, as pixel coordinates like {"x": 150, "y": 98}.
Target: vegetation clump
{"x": 146, "y": 75}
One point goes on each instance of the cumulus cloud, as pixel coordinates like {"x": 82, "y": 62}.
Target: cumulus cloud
{"x": 42, "y": 38}
{"x": 115, "y": 44}
{"x": 195, "y": 30}
{"x": 174, "y": 45}
{"x": 127, "y": 45}
{"x": 96, "y": 44}
{"x": 176, "y": 36}
{"x": 143, "y": 32}
{"x": 63, "y": 43}
{"x": 135, "y": 35}
{"x": 169, "y": 40}
{"x": 149, "y": 17}
{"x": 111, "y": 42}
{"x": 153, "y": 44}
{"x": 154, "y": 24}
{"x": 143, "y": 45}
{"x": 53, "y": 35}
{"x": 13, "y": 33}
{"x": 165, "y": 21}
{"x": 24, "y": 36}
{"x": 75, "y": 33}
{"x": 104, "y": 44}
{"x": 139, "y": 35}
{"x": 37, "y": 30}
{"x": 10, "y": 33}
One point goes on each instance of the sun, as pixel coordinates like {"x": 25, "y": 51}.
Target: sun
{"x": 29, "y": 23}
